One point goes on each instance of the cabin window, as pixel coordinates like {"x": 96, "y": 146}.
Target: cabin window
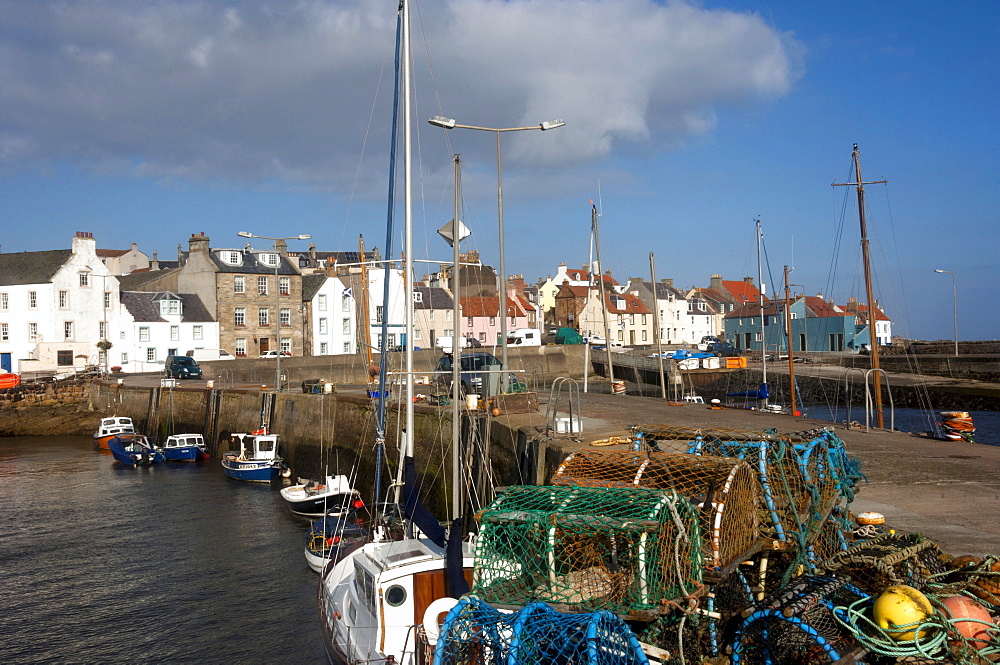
{"x": 395, "y": 595}
{"x": 269, "y": 259}
{"x": 239, "y": 284}
{"x": 232, "y": 258}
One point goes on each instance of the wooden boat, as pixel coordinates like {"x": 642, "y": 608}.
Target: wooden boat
{"x": 335, "y": 496}
{"x": 110, "y": 428}
{"x": 9, "y": 380}
{"x": 257, "y": 460}
{"x": 134, "y": 450}
{"x": 185, "y": 448}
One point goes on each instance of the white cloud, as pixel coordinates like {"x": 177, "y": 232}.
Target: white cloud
{"x": 284, "y": 90}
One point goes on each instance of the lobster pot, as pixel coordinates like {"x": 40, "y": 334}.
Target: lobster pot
{"x": 625, "y": 550}
{"x": 888, "y": 559}
{"x": 798, "y": 623}
{"x": 725, "y": 490}
{"x": 473, "y": 632}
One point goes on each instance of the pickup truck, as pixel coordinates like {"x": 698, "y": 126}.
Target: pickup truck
{"x": 723, "y": 350}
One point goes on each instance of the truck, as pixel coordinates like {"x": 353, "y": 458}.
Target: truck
{"x": 524, "y": 337}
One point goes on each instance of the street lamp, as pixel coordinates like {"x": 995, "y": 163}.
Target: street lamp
{"x": 449, "y": 123}
{"x": 954, "y": 295}
{"x": 277, "y": 300}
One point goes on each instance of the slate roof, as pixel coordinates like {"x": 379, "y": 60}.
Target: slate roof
{"x": 143, "y": 307}
{"x": 433, "y": 297}
{"x": 750, "y": 309}
{"x": 311, "y": 284}
{"x": 135, "y": 281}
{"x": 31, "y": 267}
{"x": 249, "y": 263}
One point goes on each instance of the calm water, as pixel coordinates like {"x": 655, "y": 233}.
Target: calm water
{"x": 914, "y": 420}
{"x": 173, "y": 564}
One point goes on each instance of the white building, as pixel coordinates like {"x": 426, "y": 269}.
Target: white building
{"x": 394, "y": 313}
{"x": 55, "y": 306}
{"x": 157, "y": 325}
{"x": 332, "y": 320}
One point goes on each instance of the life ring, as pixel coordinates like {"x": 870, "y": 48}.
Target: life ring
{"x": 432, "y": 626}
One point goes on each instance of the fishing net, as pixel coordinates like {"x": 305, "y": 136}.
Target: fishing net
{"x": 726, "y": 491}
{"x": 474, "y": 632}
{"x": 888, "y": 559}
{"x": 798, "y": 624}
{"x": 631, "y": 551}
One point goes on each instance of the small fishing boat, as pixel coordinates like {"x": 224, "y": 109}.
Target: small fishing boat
{"x": 257, "y": 459}
{"x": 110, "y": 428}
{"x": 314, "y": 499}
{"x": 134, "y": 450}
{"x": 332, "y": 537}
{"x": 185, "y": 448}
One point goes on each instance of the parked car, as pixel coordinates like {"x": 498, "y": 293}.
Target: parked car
{"x": 482, "y": 374}
{"x": 274, "y": 354}
{"x": 723, "y": 350}
{"x": 182, "y": 367}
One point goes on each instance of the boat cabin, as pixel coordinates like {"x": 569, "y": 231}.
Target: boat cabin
{"x": 184, "y": 440}
{"x": 115, "y": 425}
{"x": 257, "y": 446}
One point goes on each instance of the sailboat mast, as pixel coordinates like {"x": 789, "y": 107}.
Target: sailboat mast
{"x": 763, "y": 332}
{"x": 456, "y": 357}
{"x": 408, "y": 223}
{"x": 365, "y": 327}
{"x": 788, "y": 344}
{"x": 656, "y": 326}
{"x": 866, "y": 260}
{"x": 604, "y": 302}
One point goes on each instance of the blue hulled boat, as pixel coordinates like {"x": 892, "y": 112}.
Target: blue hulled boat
{"x": 185, "y": 448}
{"x": 257, "y": 459}
{"x": 133, "y": 450}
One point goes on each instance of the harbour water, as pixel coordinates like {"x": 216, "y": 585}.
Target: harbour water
{"x": 169, "y": 564}
{"x": 914, "y": 420}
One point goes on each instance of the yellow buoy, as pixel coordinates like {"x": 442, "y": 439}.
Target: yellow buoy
{"x": 898, "y": 610}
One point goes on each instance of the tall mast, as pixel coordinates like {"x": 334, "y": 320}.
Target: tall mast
{"x": 604, "y": 302}
{"x": 866, "y": 259}
{"x": 408, "y": 223}
{"x": 789, "y": 345}
{"x": 365, "y": 325}
{"x": 656, "y": 326}
{"x": 763, "y": 332}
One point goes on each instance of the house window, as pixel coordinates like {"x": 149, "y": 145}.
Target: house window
{"x": 447, "y": 315}
{"x": 284, "y": 286}
{"x": 323, "y": 348}
{"x": 644, "y": 335}
{"x": 418, "y": 296}
{"x": 322, "y": 326}
{"x": 347, "y": 326}
{"x": 482, "y": 337}
{"x": 285, "y": 316}
{"x": 63, "y": 299}
{"x": 416, "y": 335}
{"x": 469, "y": 321}
{"x": 232, "y": 258}
{"x": 756, "y": 337}
{"x": 286, "y": 344}
{"x": 102, "y": 329}
{"x": 262, "y": 286}
{"x": 4, "y": 301}
{"x": 321, "y": 302}
{"x": 143, "y": 334}
{"x": 794, "y": 315}
{"x": 32, "y": 332}
{"x": 107, "y": 300}
{"x": 263, "y": 316}
{"x": 84, "y": 279}
{"x": 64, "y": 358}
{"x": 32, "y": 299}
{"x": 67, "y": 330}
{"x": 170, "y": 307}
{"x": 378, "y": 313}
{"x": 430, "y": 315}
{"x": 269, "y": 259}
{"x": 345, "y": 302}
{"x": 4, "y": 333}
{"x": 124, "y": 359}
{"x": 175, "y": 333}
{"x": 239, "y": 316}
{"x": 631, "y": 319}
{"x": 347, "y": 347}
{"x": 196, "y": 332}
{"x": 493, "y": 320}
{"x": 621, "y": 335}
{"x": 151, "y": 354}
{"x": 239, "y": 284}
{"x": 241, "y": 346}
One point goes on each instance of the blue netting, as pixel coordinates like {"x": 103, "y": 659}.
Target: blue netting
{"x": 474, "y": 632}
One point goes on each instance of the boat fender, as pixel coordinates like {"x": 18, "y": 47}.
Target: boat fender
{"x": 286, "y": 472}
{"x": 432, "y": 617}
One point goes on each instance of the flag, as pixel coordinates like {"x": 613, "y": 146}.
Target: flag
{"x": 347, "y": 293}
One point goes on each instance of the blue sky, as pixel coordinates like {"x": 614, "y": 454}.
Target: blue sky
{"x": 149, "y": 121}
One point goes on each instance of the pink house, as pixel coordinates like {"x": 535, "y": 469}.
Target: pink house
{"x": 481, "y": 321}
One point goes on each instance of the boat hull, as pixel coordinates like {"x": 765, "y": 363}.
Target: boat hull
{"x": 317, "y": 505}
{"x": 130, "y": 451}
{"x": 185, "y": 454}
{"x": 250, "y": 470}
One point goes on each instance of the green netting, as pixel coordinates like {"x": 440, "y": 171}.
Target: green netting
{"x": 630, "y": 551}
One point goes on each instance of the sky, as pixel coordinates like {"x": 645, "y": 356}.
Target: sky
{"x": 149, "y": 121}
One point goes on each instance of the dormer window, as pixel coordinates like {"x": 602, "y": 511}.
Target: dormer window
{"x": 418, "y": 296}
{"x": 268, "y": 259}
{"x": 231, "y": 257}
{"x": 170, "y": 307}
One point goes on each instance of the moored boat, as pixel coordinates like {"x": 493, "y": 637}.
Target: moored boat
{"x": 185, "y": 448}
{"x": 335, "y": 496}
{"x": 256, "y": 461}
{"x": 110, "y": 428}
{"x": 134, "y": 450}
{"x": 332, "y": 537}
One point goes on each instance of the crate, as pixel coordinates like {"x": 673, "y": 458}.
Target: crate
{"x": 736, "y": 363}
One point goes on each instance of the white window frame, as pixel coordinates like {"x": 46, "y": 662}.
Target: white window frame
{"x": 143, "y": 333}
{"x": 151, "y": 354}
{"x": 285, "y": 317}
{"x": 175, "y": 333}
{"x": 107, "y": 300}
{"x": 347, "y": 326}
{"x": 239, "y": 284}
{"x": 84, "y": 279}
{"x": 262, "y": 286}
{"x": 240, "y": 317}
{"x": 323, "y": 348}
{"x": 4, "y": 332}
{"x": 240, "y": 348}
{"x": 285, "y": 344}
{"x": 322, "y": 326}
{"x": 197, "y": 332}
{"x": 32, "y": 299}
{"x": 285, "y": 286}
{"x": 321, "y": 302}
{"x": 32, "y": 331}
{"x": 263, "y": 316}
{"x": 64, "y": 300}
{"x": 67, "y": 330}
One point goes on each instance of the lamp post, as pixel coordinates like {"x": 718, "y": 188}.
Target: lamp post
{"x": 277, "y": 299}
{"x": 954, "y": 297}
{"x": 449, "y": 123}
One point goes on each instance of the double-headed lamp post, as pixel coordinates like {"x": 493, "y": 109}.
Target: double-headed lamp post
{"x": 277, "y": 299}
{"x": 449, "y": 123}
{"x": 954, "y": 297}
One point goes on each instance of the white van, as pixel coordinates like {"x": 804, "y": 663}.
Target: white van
{"x": 445, "y": 343}
{"x": 524, "y": 337}
{"x": 209, "y": 355}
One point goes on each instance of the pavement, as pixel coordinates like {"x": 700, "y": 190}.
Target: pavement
{"x": 945, "y": 490}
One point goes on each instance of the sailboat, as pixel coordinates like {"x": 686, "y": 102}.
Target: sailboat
{"x": 762, "y": 393}
{"x": 375, "y": 598}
